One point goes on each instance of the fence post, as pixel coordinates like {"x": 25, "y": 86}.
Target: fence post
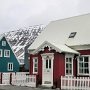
{"x": 1, "y": 78}
{"x": 10, "y": 78}
{"x": 61, "y": 82}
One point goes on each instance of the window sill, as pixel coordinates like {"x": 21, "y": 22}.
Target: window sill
{"x": 83, "y": 74}
{"x": 7, "y": 56}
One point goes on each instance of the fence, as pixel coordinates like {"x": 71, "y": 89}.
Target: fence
{"x": 6, "y": 78}
{"x": 19, "y": 79}
{"x": 75, "y": 83}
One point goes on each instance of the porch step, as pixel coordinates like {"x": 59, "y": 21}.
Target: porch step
{"x": 44, "y": 87}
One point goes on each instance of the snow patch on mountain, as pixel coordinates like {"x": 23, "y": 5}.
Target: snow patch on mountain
{"x": 21, "y": 38}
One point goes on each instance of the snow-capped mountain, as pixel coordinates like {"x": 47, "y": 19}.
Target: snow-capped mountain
{"x": 21, "y": 38}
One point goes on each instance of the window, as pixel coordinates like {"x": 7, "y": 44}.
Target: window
{"x": 0, "y": 53}
{"x": 48, "y": 63}
{"x": 83, "y": 63}
{"x": 10, "y": 66}
{"x": 72, "y": 35}
{"x": 35, "y": 65}
{"x": 3, "y": 43}
{"x": 6, "y": 53}
{"x": 69, "y": 66}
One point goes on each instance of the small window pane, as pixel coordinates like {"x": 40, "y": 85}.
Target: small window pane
{"x": 66, "y": 65}
{"x": 81, "y": 59}
{"x": 49, "y": 63}
{"x": 66, "y": 59}
{"x": 70, "y": 59}
{"x": 46, "y": 63}
{"x": 35, "y": 64}
{"x": 35, "y": 60}
{"x": 66, "y": 71}
{"x": 70, "y": 71}
{"x": 85, "y": 59}
{"x": 35, "y": 69}
{"x": 86, "y": 71}
{"x": 86, "y": 65}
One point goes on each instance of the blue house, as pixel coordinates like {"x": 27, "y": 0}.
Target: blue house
{"x": 8, "y": 60}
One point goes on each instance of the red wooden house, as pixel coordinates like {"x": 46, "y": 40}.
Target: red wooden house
{"x": 62, "y": 49}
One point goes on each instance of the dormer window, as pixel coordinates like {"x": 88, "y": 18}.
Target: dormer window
{"x": 72, "y": 35}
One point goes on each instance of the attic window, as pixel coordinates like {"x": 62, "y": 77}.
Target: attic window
{"x": 72, "y": 35}
{"x": 3, "y": 43}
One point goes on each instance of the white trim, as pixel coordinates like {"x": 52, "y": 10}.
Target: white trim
{"x": 51, "y": 46}
{"x": 46, "y": 44}
{"x": 72, "y": 58}
{"x": 34, "y": 65}
{"x": 1, "y": 52}
{"x": 81, "y": 47}
{"x": 44, "y": 56}
{"x": 11, "y": 68}
{"x": 5, "y": 52}
{"x": 83, "y": 74}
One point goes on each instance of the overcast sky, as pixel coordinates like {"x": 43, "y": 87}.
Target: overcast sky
{"x": 15, "y": 14}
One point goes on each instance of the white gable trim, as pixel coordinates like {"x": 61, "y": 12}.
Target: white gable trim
{"x": 45, "y": 44}
{"x": 51, "y": 47}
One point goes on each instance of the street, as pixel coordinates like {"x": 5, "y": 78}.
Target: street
{"x": 21, "y": 88}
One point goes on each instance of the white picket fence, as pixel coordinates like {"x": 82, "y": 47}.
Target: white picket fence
{"x": 19, "y": 79}
{"x": 73, "y": 83}
{"x": 6, "y": 78}
{"x": 23, "y": 80}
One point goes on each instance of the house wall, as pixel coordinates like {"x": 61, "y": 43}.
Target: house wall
{"x": 59, "y": 67}
{"x": 4, "y": 60}
{"x": 58, "y": 64}
{"x": 84, "y": 52}
{"x": 26, "y": 58}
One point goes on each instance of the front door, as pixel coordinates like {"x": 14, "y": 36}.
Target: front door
{"x": 47, "y": 69}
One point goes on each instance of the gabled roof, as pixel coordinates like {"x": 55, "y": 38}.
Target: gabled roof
{"x": 58, "y": 47}
{"x": 9, "y": 45}
{"x": 58, "y": 32}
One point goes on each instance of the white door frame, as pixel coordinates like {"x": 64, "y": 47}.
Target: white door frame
{"x": 44, "y": 79}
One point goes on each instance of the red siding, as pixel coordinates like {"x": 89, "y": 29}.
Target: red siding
{"x": 58, "y": 64}
{"x": 59, "y": 67}
{"x": 75, "y": 67}
{"x": 84, "y": 52}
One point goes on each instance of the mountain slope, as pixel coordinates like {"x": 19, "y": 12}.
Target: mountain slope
{"x": 21, "y": 38}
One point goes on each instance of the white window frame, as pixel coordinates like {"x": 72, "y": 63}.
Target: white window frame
{"x": 88, "y": 65}
{"x": 1, "y": 52}
{"x": 35, "y": 58}
{"x": 69, "y": 56}
{"x": 48, "y": 60}
{"x": 3, "y": 43}
{"x": 5, "y": 52}
{"x": 11, "y": 68}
